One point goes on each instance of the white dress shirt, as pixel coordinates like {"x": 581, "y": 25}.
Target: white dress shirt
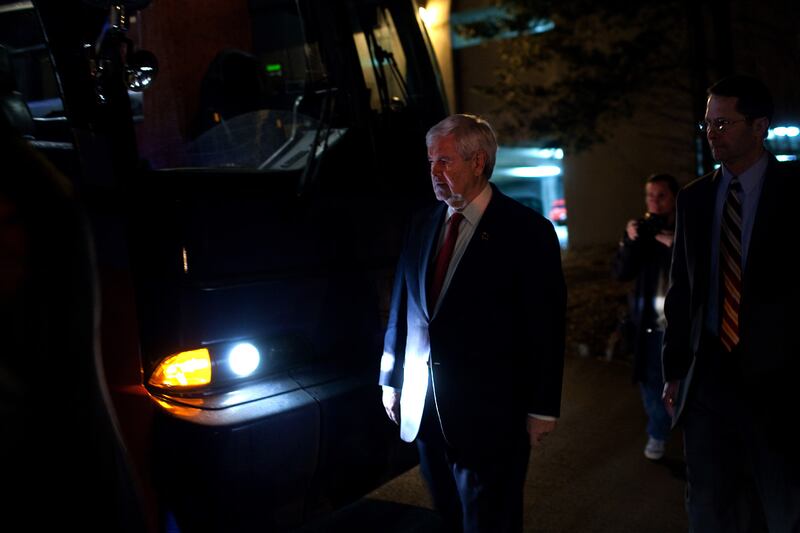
{"x": 473, "y": 212}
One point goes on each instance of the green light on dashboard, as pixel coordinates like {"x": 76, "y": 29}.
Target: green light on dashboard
{"x": 274, "y": 68}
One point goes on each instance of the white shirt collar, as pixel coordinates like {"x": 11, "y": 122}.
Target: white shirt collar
{"x": 750, "y": 177}
{"x": 475, "y": 209}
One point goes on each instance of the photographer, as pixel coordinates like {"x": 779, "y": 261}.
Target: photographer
{"x": 644, "y": 254}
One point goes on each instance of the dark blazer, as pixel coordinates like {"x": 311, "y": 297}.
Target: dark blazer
{"x": 497, "y": 341}
{"x": 768, "y": 354}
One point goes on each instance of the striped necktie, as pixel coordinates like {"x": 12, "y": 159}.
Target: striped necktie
{"x": 731, "y": 266}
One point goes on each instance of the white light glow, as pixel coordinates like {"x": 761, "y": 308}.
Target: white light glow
{"x": 423, "y": 13}
{"x": 544, "y": 153}
{"x": 540, "y": 171}
{"x": 428, "y": 16}
{"x": 435, "y": 13}
{"x": 786, "y": 157}
{"x": 783, "y": 131}
{"x": 387, "y": 362}
{"x": 244, "y": 359}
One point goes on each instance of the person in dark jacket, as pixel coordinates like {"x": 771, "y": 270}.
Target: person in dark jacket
{"x": 644, "y": 254}
{"x": 63, "y": 461}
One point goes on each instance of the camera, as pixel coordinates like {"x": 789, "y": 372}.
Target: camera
{"x": 650, "y": 225}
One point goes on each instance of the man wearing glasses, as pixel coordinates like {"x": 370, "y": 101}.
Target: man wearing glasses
{"x": 730, "y": 355}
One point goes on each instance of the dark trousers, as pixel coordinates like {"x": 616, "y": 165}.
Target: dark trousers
{"x": 738, "y": 480}
{"x": 473, "y": 494}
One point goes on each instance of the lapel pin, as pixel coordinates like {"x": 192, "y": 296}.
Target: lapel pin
{"x": 484, "y": 236}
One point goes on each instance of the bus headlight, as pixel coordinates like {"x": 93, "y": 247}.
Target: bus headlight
{"x": 243, "y": 359}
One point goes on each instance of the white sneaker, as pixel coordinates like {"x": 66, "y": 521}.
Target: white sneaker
{"x": 654, "y": 449}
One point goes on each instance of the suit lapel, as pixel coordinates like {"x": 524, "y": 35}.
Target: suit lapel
{"x": 704, "y": 210}
{"x": 480, "y": 238}
{"x": 767, "y": 207}
{"x": 427, "y": 248}
{"x": 478, "y": 250}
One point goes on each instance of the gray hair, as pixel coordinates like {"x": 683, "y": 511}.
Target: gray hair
{"x": 472, "y": 134}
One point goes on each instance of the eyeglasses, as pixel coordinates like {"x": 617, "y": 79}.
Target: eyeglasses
{"x": 719, "y": 125}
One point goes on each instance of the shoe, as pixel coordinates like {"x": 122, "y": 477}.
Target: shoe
{"x": 654, "y": 449}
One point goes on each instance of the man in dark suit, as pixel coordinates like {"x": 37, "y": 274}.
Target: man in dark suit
{"x": 473, "y": 354}
{"x": 730, "y": 360}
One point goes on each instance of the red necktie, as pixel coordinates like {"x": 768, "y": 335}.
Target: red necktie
{"x": 730, "y": 270}
{"x": 443, "y": 259}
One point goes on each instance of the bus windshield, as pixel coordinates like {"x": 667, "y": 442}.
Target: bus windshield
{"x": 232, "y": 82}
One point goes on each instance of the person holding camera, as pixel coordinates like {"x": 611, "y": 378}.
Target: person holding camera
{"x": 644, "y": 254}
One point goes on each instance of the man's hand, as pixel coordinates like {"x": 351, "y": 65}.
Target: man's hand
{"x": 670, "y": 396}
{"x": 391, "y": 402}
{"x": 538, "y": 429}
{"x": 666, "y": 238}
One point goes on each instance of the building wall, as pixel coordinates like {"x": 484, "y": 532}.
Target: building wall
{"x": 604, "y": 187}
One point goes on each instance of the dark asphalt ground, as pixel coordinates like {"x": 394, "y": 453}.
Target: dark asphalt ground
{"x": 588, "y": 476}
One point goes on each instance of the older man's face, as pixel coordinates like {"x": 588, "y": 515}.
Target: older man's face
{"x": 455, "y": 180}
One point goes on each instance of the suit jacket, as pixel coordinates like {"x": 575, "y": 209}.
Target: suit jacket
{"x": 496, "y": 343}
{"x": 768, "y": 355}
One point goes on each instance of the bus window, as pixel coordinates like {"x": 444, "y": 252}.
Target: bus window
{"x": 232, "y": 93}
{"x": 382, "y": 60}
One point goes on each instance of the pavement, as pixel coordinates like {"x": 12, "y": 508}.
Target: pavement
{"x": 588, "y": 476}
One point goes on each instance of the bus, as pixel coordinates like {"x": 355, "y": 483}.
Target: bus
{"x": 247, "y": 168}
